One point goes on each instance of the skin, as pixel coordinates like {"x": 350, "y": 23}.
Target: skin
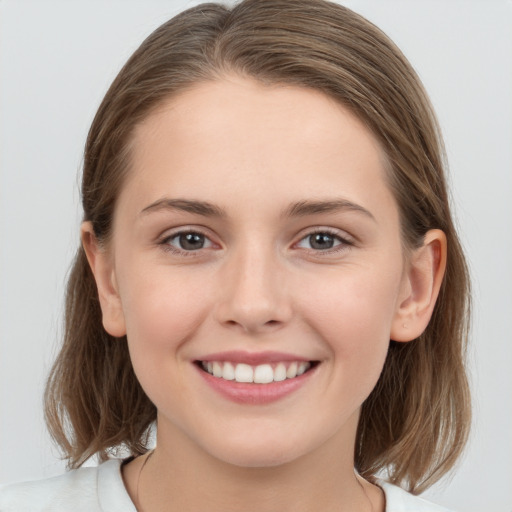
{"x": 258, "y": 284}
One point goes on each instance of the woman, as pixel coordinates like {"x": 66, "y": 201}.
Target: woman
{"x": 264, "y": 210}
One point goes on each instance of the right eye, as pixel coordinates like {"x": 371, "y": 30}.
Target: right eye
{"x": 187, "y": 241}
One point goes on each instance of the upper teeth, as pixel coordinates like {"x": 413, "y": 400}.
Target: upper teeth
{"x": 261, "y": 374}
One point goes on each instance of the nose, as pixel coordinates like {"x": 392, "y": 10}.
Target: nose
{"x": 253, "y": 295}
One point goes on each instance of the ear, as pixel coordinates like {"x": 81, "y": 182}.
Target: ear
{"x": 100, "y": 261}
{"x": 420, "y": 287}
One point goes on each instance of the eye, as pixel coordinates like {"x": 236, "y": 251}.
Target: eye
{"x": 322, "y": 241}
{"x": 187, "y": 241}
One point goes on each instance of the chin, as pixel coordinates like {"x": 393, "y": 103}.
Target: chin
{"x": 258, "y": 452}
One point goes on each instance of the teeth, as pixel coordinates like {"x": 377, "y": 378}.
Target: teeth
{"x": 280, "y": 372}
{"x": 292, "y": 371}
{"x": 228, "y": 371}
{"x": 244, "y": 373}
{"x": 302, "y": 368}
{"x": 261, "y": 374}
{"x": 217, "y": 369}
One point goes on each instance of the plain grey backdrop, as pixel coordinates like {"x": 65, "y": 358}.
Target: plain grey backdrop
{"x": 57, "y": 59}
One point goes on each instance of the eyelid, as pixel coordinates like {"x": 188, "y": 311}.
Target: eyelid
{"x": 178, "y": 230}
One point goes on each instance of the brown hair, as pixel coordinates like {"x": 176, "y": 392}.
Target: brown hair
{"x": 415, "y": 423}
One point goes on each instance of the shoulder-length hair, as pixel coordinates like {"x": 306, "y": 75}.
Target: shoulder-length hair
{"x": 415, "y": 423}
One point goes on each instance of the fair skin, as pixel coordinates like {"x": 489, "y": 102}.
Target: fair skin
{"x": 297, "y": 252}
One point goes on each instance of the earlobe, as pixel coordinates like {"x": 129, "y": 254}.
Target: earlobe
{"x": 420, "y": 287}
{"x": 100, "y": 261}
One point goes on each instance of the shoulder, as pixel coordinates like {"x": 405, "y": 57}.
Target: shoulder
{"x": 398, "y": 500}
{"x": 91, "y": 489}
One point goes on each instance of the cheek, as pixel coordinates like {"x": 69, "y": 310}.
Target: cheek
{"x": 359, "y": 302}
{"x": 162, "y": 310}
{"x": 353, "y": 313}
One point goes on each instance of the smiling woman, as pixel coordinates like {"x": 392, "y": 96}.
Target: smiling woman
{"x": 268, "y": 270}
{"x": 250, "y": 291}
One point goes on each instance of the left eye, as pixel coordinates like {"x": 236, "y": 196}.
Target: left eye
{"x": 320, "y": 241}
{"x": 189, "y": 241}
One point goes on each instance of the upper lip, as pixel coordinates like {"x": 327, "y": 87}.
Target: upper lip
{"x": 252, "y": 358}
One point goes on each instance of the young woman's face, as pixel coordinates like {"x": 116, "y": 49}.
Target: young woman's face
{"x": 256, "y": 238}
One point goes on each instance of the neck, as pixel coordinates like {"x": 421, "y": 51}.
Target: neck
{"x": 181, "y": 476}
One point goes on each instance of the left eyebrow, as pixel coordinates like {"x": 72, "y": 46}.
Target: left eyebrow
{"x": 303, "y": 208}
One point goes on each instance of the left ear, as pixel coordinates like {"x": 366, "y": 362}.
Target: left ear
{"x": 420, "y": 287}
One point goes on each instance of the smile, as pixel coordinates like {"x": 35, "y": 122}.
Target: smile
{"x": 260, "y": 374}
{"x": 255, "y": 378}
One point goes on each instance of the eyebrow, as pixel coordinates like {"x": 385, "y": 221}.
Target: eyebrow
{"x": 198, "y": 207}
{"x": 298, "y": 209}
{"x": 303, "y": 208}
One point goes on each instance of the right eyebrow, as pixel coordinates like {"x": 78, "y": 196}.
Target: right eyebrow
{"x": 186, "y": 205}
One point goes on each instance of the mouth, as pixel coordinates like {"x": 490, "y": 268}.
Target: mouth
{"x": 266, "y": 373}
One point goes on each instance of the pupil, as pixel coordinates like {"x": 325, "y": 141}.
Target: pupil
{"x": 321, "y": 241}
{"x": 191, "y": 241}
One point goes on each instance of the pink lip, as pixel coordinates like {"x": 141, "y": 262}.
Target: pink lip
{"x": 249, "y": 393}
{"x": 252, "y": 358}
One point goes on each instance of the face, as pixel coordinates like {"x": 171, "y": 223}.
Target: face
{"x": 255, "y": 238}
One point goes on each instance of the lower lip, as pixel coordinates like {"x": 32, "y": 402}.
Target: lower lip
{"x": 255, "y": 394}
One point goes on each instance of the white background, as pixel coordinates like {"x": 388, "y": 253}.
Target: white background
{"x": 57, "y": 60}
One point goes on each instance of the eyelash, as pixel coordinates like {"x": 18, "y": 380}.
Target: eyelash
{"x": 343, "y": 245}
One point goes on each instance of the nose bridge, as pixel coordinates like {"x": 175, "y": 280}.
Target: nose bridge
{"x": 254, "y": 288}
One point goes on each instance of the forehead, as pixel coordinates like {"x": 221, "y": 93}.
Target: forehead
{"x": 252, "y": 111}
{"x": 236, "y": 139}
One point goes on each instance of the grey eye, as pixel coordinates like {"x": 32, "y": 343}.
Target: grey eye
{"x": 189, "y": 241}
{"x": 320, "y": 241}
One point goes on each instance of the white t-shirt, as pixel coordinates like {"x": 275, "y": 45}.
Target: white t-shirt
{"x": 101, "y": 489}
